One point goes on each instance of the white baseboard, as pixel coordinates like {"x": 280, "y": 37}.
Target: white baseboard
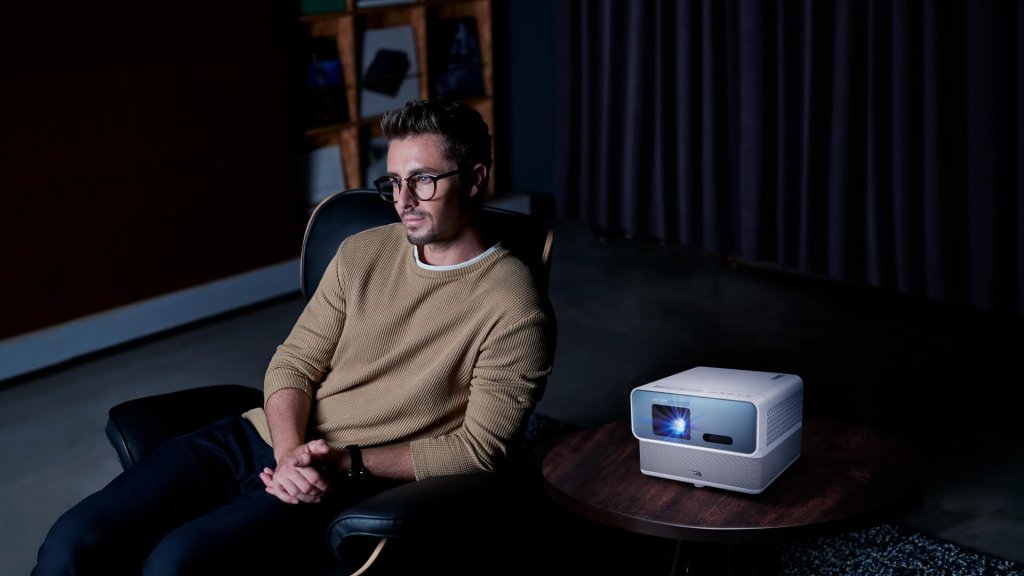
{"x": 50, "y": 346}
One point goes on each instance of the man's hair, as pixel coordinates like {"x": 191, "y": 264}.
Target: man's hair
{"x": 466, "y": 134}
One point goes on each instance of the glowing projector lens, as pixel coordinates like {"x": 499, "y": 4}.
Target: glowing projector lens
{"x": 671, "y": 421}
{"x": 679, "y": 426}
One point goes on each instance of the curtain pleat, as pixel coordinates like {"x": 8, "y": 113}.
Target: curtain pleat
{"x": 875, "y": 142}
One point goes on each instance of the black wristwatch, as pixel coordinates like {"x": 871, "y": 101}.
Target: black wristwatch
{"x": 357, "y": 471}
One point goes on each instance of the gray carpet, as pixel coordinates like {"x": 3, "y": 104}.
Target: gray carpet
{"x": 889, "y": 550}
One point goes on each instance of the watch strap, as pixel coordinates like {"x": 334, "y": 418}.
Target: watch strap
{"x": 357, "y": 471}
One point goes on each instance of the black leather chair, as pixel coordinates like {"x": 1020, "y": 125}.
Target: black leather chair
{"x": 414, "y": 518}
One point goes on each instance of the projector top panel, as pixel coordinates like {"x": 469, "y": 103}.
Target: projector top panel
{"x": 724, "y": 382}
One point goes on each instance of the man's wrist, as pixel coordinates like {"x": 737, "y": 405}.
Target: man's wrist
{"x": 282, "y": 453}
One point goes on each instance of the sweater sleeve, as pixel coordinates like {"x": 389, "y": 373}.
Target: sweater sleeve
{"x": 304, "y": 358}
{"x": 508, "y": 380}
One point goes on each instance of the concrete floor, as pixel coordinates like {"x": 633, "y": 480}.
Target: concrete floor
{"x": 629, "y": 312}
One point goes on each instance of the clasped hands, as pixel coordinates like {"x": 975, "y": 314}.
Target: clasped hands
{"x": 302, "y": 475}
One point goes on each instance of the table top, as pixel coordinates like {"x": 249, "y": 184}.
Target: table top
{"x": 847, "y": 473}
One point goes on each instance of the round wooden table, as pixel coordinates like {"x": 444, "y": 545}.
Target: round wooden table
{"x": 847, "y": 475}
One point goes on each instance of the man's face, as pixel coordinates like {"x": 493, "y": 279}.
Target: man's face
{"x": 442, "y": 219}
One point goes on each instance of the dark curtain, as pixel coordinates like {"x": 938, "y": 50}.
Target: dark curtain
{"x": 874, "y": 142}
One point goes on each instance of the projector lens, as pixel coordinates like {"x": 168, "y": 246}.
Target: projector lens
{"x": 671, "y": 421}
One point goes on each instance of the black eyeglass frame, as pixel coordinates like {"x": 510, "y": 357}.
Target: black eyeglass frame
{"x": 396, "y": 183}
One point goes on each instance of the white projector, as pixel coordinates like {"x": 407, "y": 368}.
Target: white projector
{"x": 732, "y": 429}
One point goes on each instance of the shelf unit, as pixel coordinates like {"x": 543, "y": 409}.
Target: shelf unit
{"x": 427, "y": 20}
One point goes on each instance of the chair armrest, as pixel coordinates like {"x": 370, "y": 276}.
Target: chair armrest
{"x": 136, "y": 427}
{"x": 468, "y": 508}
{"x": 429, "y": 507}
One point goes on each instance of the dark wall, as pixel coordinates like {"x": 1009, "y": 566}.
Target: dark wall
{"x": 146, "y": 149}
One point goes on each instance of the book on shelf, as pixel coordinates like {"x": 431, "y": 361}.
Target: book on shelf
{"x": 389, "y": 70}
{"x": 456, "y": 68}
{"x": 375, "y": 3}
{"x": 326, "y": 102}
{"x": 310, "y": 7}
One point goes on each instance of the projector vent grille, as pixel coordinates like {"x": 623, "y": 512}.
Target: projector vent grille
{"x": 784, "y": 415}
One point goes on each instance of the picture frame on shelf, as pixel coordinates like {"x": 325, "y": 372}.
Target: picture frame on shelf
{"x": 456, "y": 67}
{"x": 322, "y": 172}
{"x": 376, "y": 159}
{"x": 390, "y": 70}
{"x": 326, "y": 101}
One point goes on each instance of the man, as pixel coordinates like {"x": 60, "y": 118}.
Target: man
{"x": 421, "y": 353}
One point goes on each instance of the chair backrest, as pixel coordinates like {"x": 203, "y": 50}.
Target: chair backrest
{"x": 345, "y": 213}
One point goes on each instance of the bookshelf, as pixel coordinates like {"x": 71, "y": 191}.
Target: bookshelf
{"x": 388, "y": 51}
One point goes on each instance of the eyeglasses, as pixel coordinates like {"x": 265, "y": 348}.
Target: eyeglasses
{"x": 422, "y": 186}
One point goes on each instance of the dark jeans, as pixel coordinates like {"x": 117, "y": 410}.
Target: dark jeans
{"x": 195, "y": 506}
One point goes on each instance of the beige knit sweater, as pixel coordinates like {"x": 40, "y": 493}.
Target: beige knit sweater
{"x": 449, "y": 361}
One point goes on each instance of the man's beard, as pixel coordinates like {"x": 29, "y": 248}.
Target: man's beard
{"x": 426, "y": 235}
